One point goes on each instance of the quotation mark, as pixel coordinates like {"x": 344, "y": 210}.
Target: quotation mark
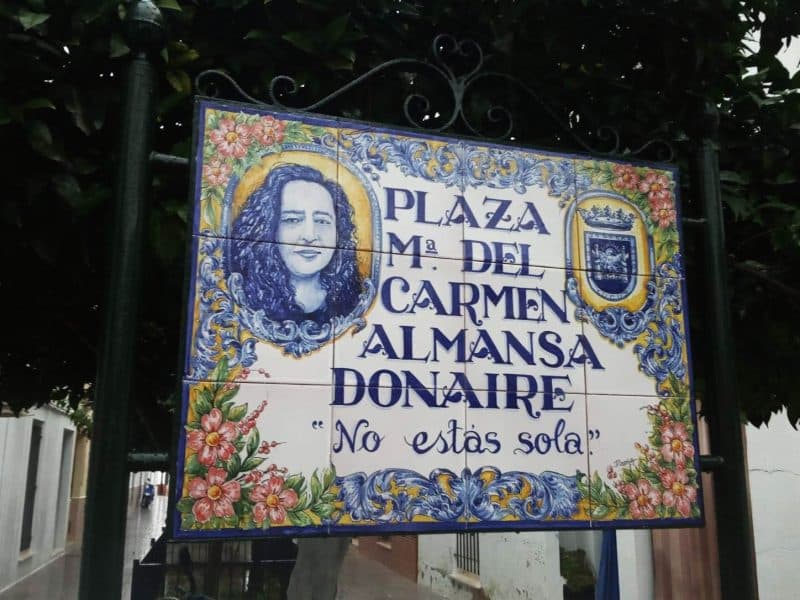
{"x": 317, "y": 424}
{"x": 594, "y": 434}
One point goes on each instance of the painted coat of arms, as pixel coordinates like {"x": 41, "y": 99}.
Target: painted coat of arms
{"x": 396, "y": 332}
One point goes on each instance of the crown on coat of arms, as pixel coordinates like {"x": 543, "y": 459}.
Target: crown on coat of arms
{"x": 605, "y": 218}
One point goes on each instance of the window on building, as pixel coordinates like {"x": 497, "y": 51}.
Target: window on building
{"x": 30, "y": 487}
{"x": 468, "y": 556}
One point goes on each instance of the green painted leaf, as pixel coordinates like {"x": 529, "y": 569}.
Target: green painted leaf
{"x": 187, "y": 521}
{"x": 295, "y": 482}
{"x": 316, "y": 485}
{"x": 237, "y": 413}
{"x": 300, "y": 518}
{"x": 253, "y": 441}
{"x": 224, "y": 394}
{"x": 323, "y": 510}
{"x": 234, "y": 465}
{"x": 220, "y": 370}
{"x": 184, "y": 504}
{"x": 193, "y": 466}
{"x": 303, "y": 502}
{"x": 252, "y": 463}
{"x": 202, "y": 406}
{"x": 328, "y": 475}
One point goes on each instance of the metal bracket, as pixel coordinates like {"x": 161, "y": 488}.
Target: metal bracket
{"x": 446, "y": 50}
{"x": 710, "y": 463}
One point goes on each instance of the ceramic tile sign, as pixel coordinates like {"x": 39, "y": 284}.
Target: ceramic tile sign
{"x": 394, "y": 332}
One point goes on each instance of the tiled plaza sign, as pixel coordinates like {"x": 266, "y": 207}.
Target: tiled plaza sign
{"x": 393, "y": 332}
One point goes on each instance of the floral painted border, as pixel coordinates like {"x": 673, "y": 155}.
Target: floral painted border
{"x": 661, "y": 481}
{"x": 225, "y": 485}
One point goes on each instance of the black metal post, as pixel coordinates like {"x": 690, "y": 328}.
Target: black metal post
{"x": 732, "y": 504}
{"x": 102, "y": 553}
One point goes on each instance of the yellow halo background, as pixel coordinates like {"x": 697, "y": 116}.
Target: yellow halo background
{"x": 330, "y": 169}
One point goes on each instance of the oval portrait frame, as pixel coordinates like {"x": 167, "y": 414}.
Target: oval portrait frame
{"x": 299, "y": 339}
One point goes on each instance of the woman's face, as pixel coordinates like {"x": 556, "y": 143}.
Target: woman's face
{"x": 306, "y": 228}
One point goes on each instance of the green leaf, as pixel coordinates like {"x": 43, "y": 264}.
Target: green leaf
{"x": 68, "y": 188}
{"x": 334, "y": 30}
{"x": 234, "y": 465}
{"x": 255, "y": 34}
{"x": 300, "y": 518}
{"x": 303, "y": 502}
{"x": 237, "y": 413}
{"x": 40, "y": 138}
{"x": 193, "y": 466}
{"x": 206, "y": 394}
{"x": 179, "y": 80}
{"x": 300, "y": 39}
{"x": 117, "y": 46}
{"x": 733, "y": 177}
{"x": 225, "y": 394}
{"x": 599, "y": 512}
{"x": 323, "y": 510}
{"x": 252, "y": 462}
{"x": 202, "y": 406}
{"x": 316, "y": 486}
{"x": 220, "y": 370}
{"x": 328, "y": 475}
{"x": 187, "y": 521}
{"x": 35, "y": 103}
{"x": 338, "y": 63}
{"x": 169, "y": 4}
{"x": 295, "y": 482}
{"x": 252, "y": 442}
{"x": 30, "y": 19}
{"x": 184, "y": 504}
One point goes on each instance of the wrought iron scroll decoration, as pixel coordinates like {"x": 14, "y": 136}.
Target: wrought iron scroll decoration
{"x": 444, "y": 46}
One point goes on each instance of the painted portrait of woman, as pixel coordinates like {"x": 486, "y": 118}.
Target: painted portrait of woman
{"x": 310, "y": 272}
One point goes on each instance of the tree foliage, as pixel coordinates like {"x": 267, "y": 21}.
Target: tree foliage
{"x": 643, "y": 67}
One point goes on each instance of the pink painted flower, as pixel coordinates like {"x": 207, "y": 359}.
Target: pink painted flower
{"x": 677, "y": 491}
{"x": 677, "y": 446}
{"x": 663, "y": 212}
{"x": 213, "y": 495}
{"x": 626, "y": 177}
{"x": 656, "y": 186}
{"x": 643, "y": 499}
{"x": 272, "y": 500}
{"x": 268, "y": 131}
{"x": 214, "y": 440}
{"x": 217, "y": 173}
{"x": 231, "y": 139}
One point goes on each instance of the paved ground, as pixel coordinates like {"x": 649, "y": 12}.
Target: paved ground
{"x": 59, "y": 579}
{"x": 361, "y": 578}
{"x": 364, "y": 579}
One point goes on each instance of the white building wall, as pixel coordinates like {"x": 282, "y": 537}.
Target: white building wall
{"x": 51, "y": 500}
{"x": 773, "y": 455}
{"x": 519, "y": 566}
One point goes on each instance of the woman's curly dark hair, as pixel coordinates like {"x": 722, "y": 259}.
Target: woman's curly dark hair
{"x": 266, "y": 280}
